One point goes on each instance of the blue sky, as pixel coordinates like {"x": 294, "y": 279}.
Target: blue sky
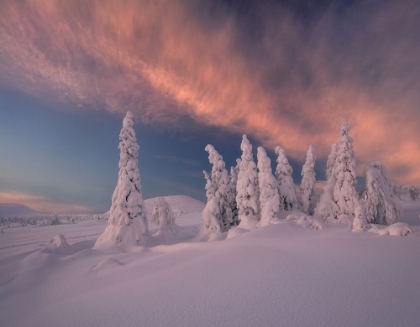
{"x": 70, "y": 156}
{"x": 197, "y": 72}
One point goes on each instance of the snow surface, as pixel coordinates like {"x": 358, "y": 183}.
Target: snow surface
{"x": 279, "y": 275}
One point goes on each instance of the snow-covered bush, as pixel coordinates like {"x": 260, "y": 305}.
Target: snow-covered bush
{"x": 269, "y": 194}
{"x": 162, "y": 215}
{"x": 287, "y": 192}
{"x": 381, "y": 205}
{"x": 127, "y": 223}
{"x": 247, "y": 187}
{"x": 413, "y": 190}
{"x": 210, "y": 222}
{"x": 307, "y": 186}
{"x": 397, "y": 229}
{"x": 306, "y": 222}
{"x": 54, "y": 220}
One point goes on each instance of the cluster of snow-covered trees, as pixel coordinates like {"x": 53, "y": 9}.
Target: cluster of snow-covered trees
{"x": 251, "y": 195}
{"x": 340, "y": 201}
{"x": 260, "y": 195}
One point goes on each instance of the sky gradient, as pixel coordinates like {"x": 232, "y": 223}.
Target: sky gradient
{"x": 196, "y": 72}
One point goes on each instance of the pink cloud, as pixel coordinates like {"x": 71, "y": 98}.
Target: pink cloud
{"x": 164, "y": 60}
{"x": 41, "y": 203}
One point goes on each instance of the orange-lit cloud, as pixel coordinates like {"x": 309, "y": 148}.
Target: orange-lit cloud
{"x": 41, "y": 204}
{"x": 289, "y": 85}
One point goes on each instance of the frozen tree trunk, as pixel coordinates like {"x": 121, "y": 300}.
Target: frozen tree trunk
{"x": 127, "y": 223}
{"x": 247, "y": 188}
{"x": 381, "y": 205}
{"x": 307, "y": 186}
{"x": 269, "y": 194}
{"x": 286, "y": 187}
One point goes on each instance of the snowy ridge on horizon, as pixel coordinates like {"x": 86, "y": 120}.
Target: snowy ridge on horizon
{"x": 10, "y": 210}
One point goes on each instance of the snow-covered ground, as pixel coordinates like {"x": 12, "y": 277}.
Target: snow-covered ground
{"x": 279, "y": 275}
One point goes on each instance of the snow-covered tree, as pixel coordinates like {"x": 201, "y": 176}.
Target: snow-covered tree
{"x": 381, "y": 205}
{"x": 220, "y": 181}
{"x": 233, "y": 181}
{"x": 307, "y": 186}
{"x": 345, "y": 195}
{"x": 210, "y": 187}
{"x": 247, "y": 187}
{"x": 413, "y": 190}
{"x": 339, "y": 201}
{"x": 331, "y": 160}
{"x": 269, "y": 194}
{"x": 287, "y": 192}
{"x": 127, "y": 223}
{"x": 162, "y": 215}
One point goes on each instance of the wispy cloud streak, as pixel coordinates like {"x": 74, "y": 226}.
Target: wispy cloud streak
{"x": 286, "y": 83}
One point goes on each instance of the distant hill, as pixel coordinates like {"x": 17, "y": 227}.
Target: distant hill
{"x": 10, "y": 210}
{"x": 180, "y": 203}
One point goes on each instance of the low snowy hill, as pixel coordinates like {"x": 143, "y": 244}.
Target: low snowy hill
{"x": 10, "y": 210}
{"x": 180, "y": 204}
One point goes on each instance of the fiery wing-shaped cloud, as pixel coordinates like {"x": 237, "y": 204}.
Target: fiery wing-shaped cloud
{"x": 280, "y": 79}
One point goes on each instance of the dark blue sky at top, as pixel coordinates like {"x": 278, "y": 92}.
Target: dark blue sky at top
{"x": 71, "y": 156}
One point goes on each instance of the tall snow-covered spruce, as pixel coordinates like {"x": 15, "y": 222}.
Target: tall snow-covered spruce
{"x": 287, "y": 192}
{"x": 381, "y": 205}
{"x": 220, "y": 183}
{"x": 340, "y": 201}
{"x": 127, "y": 223}
{"x": 307, "y": 186}
{"x": 269, "y": 194}
{"x": 247, "y": 188}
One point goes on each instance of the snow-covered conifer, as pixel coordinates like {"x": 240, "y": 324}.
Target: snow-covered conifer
{"x": 345, "y": 195}
{"x": 413, "y": 190}
{"x": 220, "y": 181}
{"x": 162, "y": 215}
{"x": 331, "y": 160}
{"x": 339, "y": 200}
{"x": 217, "y": 191}
{"x": 287, "y": 192}
{"x": 210, "y": 187}
{"x": 247, "y": 187}
{"x": 381, "y": 205}
{"x": 269, "y": 194}
{"x": 307, "y": 186}
{"x": 127, "y": 223}
{"x": 233, "y": 181}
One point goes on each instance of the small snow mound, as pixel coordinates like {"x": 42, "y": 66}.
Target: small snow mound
{"x": 397, "y": 229}
{"x": 236, "y": 231}
{"x": 108, "y": 263}
{"x": 59, "y": 245}
{"x": 306, "y": 222}
{"x": 276, "y": 221}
